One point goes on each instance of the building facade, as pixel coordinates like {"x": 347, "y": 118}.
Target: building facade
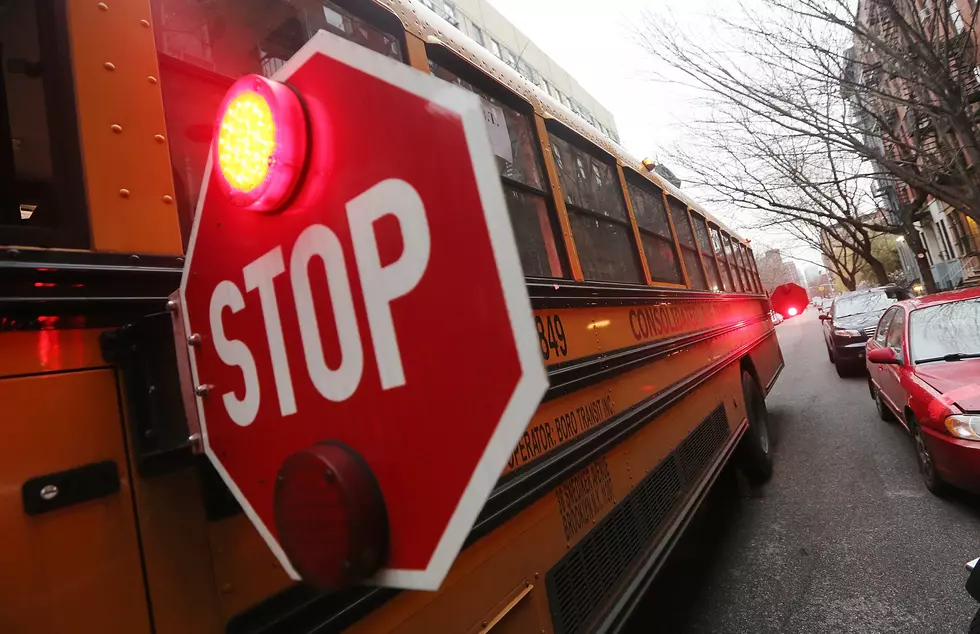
{"x": 490, "y": 29}
{"x": 951, "y": 240}
{"x": 774, "y": 271}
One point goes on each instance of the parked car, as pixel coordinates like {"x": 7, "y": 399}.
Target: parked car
{"x": 852, "y": 318}
{"x": 924, "y": 370}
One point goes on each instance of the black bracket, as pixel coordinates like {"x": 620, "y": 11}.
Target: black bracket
{"x": 64, "y": 488}
{"x": 145, "y": 354}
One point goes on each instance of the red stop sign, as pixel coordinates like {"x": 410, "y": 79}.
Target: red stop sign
{"x": 383, "y": 309}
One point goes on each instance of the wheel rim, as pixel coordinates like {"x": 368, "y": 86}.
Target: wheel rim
{"x": 923, "y": 456}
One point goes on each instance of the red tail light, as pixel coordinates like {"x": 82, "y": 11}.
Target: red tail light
{"x": 259, "y": 145}
{"x": 330, "y": 516}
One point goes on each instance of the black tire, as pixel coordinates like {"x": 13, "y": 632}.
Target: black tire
{"x": 830, "y": 355}
{"x": 844, "y": 370}
{"x": 975, "y": 623}
{"x": 754, "y": 454}
{"x": 884, "y": 413}
{"x": 925, "y": 460}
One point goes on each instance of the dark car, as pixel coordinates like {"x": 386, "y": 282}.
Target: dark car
{"x": 852, "y": 318}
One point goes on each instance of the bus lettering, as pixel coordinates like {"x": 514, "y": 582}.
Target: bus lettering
{"x": 583, "y": 496}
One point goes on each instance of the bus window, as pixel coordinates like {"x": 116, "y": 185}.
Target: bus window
{"x": 515, "y": 148}
{"x": 743, "y": 279}
{"x": 40, "y": 178}
{"x": 597, "y": 213}
{"x": 725, "y": 272}
{"x": 658, "y": 243}
{"x": 204, "y": 46}
{"x": 707, "y": 255}
{"x": 685, "y": 237}
{"x": 750, "y": 268}
{"x": 736, "y": 277}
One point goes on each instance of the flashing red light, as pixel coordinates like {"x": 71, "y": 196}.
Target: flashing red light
{"x": 792, "y": 311}
{"x": 330, "y": 516}
{"x": 259, "y": 145}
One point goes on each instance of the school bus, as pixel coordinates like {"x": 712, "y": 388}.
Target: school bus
{"x": 650, "y": 316}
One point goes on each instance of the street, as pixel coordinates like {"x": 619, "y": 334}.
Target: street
{"x": 845, "y": 538}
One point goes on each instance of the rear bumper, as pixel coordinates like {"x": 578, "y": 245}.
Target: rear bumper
{"x": 850, "y": 350}
{"x": 957, "y": 461}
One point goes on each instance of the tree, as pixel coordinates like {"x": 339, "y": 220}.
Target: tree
{"x": 883, "y": 82}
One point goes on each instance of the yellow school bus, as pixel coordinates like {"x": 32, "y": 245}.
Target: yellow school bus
{"x": 650, "y": 317}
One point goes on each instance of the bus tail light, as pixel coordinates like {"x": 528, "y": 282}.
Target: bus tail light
{"x": 330, "y": 516}
{"x": 260, "y": 143}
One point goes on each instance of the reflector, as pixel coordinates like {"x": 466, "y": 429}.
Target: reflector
{"x": 330, "y": 516}
{"x": 259, "y": 145}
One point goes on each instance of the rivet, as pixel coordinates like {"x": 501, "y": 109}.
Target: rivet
{"x": 202, "y": 390}
{"x": 328, "y": 475}
{"x": 226, "y": 588}
{"x": 172, "y": 305}
{"x": 134, "y": 258}
{"x": 103, "y": 6}
{"x": 194, "y": 439}
{"x": 109, "y": 66}
{"x": 49, "y": 492}
{"x": 167, "y": 199}
{"x": 151, "y": 79}
{"x": 124, "y": 193}
{"x": 194, "y": 340}
{"x": 115, "y": 127}
{"x": 145, "y": 23}
{"x": 159, "y": 138}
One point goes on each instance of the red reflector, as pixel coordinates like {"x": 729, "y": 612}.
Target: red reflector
{"x": 330, "y": 516}
{"x": 259, "y": 144}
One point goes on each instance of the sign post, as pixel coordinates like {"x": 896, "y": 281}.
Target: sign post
{"x": 363, "y": 354}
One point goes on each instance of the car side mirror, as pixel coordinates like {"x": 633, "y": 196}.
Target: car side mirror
{"x": 884, "y": 356}
{"x": 824, "y": 316}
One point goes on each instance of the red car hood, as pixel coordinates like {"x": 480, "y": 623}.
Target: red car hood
{"x": 957, "y": 380}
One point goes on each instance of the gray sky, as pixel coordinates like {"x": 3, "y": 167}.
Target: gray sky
{"x": 592, "y": 40}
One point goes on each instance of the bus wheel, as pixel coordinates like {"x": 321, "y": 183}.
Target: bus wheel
{"x": 754, "y": 454}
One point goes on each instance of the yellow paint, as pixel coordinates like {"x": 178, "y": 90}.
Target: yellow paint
{"x": 144, "y": 220}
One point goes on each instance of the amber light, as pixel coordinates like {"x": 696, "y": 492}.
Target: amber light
{"x": 260, "y": 143}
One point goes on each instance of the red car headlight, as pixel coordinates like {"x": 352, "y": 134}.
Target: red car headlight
{"x": 964, "y": 426}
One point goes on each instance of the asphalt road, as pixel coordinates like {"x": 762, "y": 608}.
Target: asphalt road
{"x": 844, "y": 539}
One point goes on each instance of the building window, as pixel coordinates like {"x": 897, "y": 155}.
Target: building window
{"x": 655, "y": 235}
{"x": 494, "y": 47}
{"x": 955, "y": 16}
{"x": 950, "y": 253}
{"x": 597, "y": 213}
{"x": 477, "y": 34}
{"x": 517, "y": 153}
{"x": 925, "y": 248}
{"x": 508, "y": 57}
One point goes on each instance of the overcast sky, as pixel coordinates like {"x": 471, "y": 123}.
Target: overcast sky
{"x": 593, "y": 40}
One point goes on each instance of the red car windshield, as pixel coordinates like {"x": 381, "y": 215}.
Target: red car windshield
{"x": 943, "y": 330}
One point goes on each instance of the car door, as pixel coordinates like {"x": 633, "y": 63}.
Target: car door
{"x": 875, "y": 370}
{"x": 889, "y": 375}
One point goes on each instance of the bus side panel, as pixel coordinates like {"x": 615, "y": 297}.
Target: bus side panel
{"x": 523, "y": 550}
{"x": 76, "y": 568}
{"x": 767, "y": 358}
{"x": 123, "y": 134}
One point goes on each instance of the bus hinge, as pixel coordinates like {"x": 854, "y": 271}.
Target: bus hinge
{"x": 151, "y": 368}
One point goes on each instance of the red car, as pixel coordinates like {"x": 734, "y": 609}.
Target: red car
{"x": 924, "y": 369}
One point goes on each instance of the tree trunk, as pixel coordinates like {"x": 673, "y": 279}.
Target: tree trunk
{"x": 881, "y": 275}
{"x": 915, "y": 244}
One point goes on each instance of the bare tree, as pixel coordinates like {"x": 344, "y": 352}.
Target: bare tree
{"x": 888, "y": 84}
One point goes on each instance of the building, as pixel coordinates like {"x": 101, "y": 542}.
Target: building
{"x": 773, "y": 271}
{"x": 950, "y": 238}
{"x": 491, "y": 30}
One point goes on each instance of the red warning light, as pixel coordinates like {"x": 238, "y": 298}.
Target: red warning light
{"x": 792, "y": 311}
{"x": 330, "y": 516}
{"x": 260, "y": 143}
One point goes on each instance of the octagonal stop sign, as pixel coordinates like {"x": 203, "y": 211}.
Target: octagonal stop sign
{"x": 365, "y": 358}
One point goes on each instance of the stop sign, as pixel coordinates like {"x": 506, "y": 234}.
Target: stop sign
{"x": 375, "y": 327}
